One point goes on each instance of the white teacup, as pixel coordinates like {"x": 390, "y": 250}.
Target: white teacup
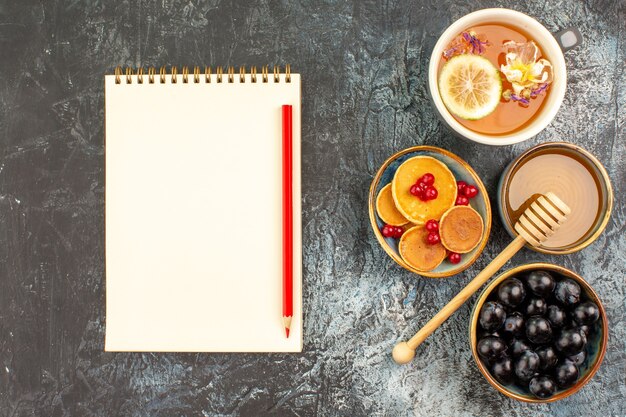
{"x": 552, "y": 50}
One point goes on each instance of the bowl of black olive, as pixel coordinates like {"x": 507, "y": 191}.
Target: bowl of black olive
{"x": 538, "y": 332}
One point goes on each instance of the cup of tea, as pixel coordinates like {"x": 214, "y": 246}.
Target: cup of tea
{"x": 498, "y": 76}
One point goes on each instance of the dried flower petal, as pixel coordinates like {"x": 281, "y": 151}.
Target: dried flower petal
{"x": 543, "y": 87}
{"x": 466, "y": 43}
{"x": 525, "y": 52}
{"x": 456, "y": 49}
{"x": 524, "y": 70}
{"x": 521, "y": 100}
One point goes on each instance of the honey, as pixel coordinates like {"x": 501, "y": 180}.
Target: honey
{"x": 571, "y": 178}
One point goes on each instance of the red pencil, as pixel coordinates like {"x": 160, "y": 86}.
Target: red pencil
{"x": 287, "y": 218}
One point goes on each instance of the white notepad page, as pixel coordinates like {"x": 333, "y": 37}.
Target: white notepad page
{"x": 194, "y": 215}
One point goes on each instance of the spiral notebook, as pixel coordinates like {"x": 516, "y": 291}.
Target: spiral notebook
{"x": 193, "y": 210}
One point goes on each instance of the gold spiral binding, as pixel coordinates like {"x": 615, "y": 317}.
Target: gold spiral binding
{"x": 231, "y": 75}
{"x": 140, "y": 75}
{"x": 276, "y": 74}
{"x": 129, "y": 73}
{"x": 185, "y": 74}
{"x": 151, "y": 72}
{"x": 196, "y": 74}
{"x": 174, "y": 75}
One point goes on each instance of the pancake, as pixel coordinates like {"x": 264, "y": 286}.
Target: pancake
{"x": 386, "y": 208}
{"x": 417, "y": 252}
{"x": 411, "y": 207}
{"x": 461, "y": 229}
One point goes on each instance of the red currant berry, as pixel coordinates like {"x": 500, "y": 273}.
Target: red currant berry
{"x": 460, "y": 185}
{"x": 432, "y": 225}
{"x": 397, "y": 232}
{"x": 422, "y": 185}
{"x": 415, "y": 190}
{"x": 428, "y": 179}
{"x": 430, "y": 193}
{"x": 461, "y": 200}
{"x": 433, "y": 238}
{"x": 454, "y": 258}
{"x": 470, "y": 191}
{"x": 387, "y": 231}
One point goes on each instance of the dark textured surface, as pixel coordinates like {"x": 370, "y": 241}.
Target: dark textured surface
{"x": 364, "y": 95}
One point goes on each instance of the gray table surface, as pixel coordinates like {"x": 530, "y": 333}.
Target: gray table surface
{"x": 363, "y": 65}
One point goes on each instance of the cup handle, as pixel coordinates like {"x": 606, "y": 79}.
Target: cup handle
{"x": 568, "y": 38}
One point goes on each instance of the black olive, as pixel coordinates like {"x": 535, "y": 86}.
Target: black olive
{"x": 541, "y": 283}
{"x": 492, "y": 316}
{"x": 585, "y": 329}
{"x": 511, "y": 292}
{"x": 538, "y": 330}
{"x": 542, "y": 386}
{"x": 570, "y": 341}
{"x": 491, "y": 348}
{"x": 586, "y": 313}
{"x": 502, "y": 370}
{"x": 527, "y": 366}
{"x": 536, "y": 306}
{"x": 519, "y": 346}
{"x": 566, "y": 374}
{"x": 547, "y": 358}
{"x": 513, "y": 325}
{"x": 556, "y": 315}
{"x": 482, "y": 333}
{"x": 567, "y": 292}
{"x": 578, "y": 359}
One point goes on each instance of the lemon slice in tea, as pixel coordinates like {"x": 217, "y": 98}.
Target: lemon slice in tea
{"x": 470, "y": 86}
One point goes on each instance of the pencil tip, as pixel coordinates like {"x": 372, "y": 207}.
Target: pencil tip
{"x": 287, "y": 332}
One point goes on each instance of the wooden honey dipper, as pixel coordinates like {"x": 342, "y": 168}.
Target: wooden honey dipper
{"x": 538, "y": 222}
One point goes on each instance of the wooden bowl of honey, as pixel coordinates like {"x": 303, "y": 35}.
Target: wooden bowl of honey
{"x": 575, "y": 176}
